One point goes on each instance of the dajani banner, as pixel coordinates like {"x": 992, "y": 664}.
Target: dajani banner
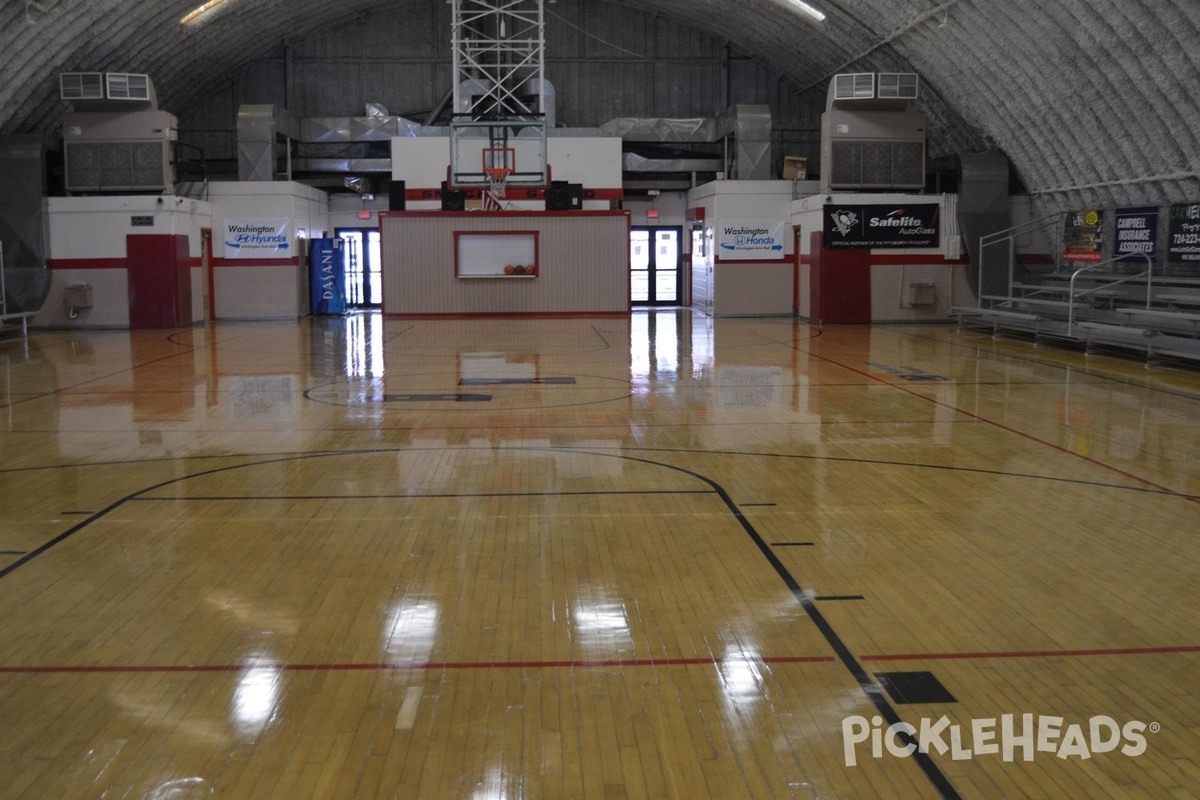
{"x": 751, "y": 239}
{"x": 257, "y": 237}
{"x": 866, "y": 226}
{"x": 1183, "y": 234}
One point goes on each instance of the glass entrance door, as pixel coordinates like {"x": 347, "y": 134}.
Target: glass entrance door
{"x": 364, "y": 267}
{"x": 654, "y": 266}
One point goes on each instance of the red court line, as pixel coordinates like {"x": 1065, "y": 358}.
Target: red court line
{"x": 1121, "y": 651}
{"x": 425, "y": 666}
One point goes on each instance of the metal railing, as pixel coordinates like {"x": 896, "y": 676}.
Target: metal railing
{"x": 1072, "y": 294}
{"x": 1005, "y": 242}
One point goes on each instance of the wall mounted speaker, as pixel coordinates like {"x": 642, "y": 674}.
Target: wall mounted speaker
{"x": 453, "y": 200}
{"x": 396, "y": 196}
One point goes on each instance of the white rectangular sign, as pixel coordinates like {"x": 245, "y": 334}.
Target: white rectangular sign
{"x": 258, "y": 237}
{"x": 750, "y": 239}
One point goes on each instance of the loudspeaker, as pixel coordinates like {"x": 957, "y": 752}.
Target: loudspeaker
{"x": 564, "y": 196}
{"x": 396, "y": 196}
{"x": 453, "y": 200}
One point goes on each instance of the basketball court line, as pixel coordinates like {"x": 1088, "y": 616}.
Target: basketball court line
{"x": 842, "y": 652}
{"x": 1101, "y": 378}
{"x": 999, "y": 425}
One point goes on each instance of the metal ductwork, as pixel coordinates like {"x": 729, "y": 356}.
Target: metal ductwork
{"x": 24, "y": 162}
{"x": 260, "y": 128}
{"x": 750, "y": 129}
{"x": 984, "y": 208}
{"x": 329, "y": 130}
{"x": 660, "y": 129}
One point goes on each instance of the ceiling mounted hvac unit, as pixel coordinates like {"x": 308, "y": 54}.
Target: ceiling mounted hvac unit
{"x": 81, "y": 85}
{"x": 127, "y": 86}
{"x": 897, "y": 86}
{"x": 854, "y": 86}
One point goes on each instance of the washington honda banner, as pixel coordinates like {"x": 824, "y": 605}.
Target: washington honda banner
{"x": 327, "y": 273}
{"x": 257, "y": 237}
{"x": 751, "y": 239}
{"x": 893, "y": 226}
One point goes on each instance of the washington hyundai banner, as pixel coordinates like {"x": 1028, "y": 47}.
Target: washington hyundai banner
{"x": 257, "y": 237}
{"x": 750, "y": 239}
{"x": 859, "y": 227}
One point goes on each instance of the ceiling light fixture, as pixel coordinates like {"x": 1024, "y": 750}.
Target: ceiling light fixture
{"x": 199, "y": 11}
{"x": 816, "y": 14}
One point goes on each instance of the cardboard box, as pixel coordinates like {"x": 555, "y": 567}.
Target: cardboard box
{"x": 795, "y": 168}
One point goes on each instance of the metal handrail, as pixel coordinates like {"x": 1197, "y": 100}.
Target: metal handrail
{"x": 1010, "y": 235}
{"x": 1071, "y": 295}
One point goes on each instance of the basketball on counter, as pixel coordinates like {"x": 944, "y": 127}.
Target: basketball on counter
{"x": 509, "y": 269}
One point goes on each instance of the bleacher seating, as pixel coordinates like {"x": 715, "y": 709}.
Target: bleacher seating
{"x": 1157, "y": 318}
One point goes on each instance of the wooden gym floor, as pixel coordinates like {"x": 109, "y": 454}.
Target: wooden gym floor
{"x": 658, "y": 557}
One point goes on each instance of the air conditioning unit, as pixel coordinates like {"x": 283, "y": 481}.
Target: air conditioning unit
{"x": 127, "y": 86}
{"x": 854, "y": 86}
{"x": 81, "y": 86}
{"x": 897, "y": 86}
{"x": 869, "y": 140}
{"x": 116, "y": 139}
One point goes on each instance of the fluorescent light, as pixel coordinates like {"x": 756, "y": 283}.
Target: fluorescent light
{"x": 199, "y": 11}
{"x": 807, "y": 9}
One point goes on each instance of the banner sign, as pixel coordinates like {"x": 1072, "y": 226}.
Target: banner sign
{"x": 327, "y": 272}
{"x": 891, "y": 226}
{"x": 751, "y": 239}
{"x": 257, "y": 237}
{"x": 1137, "y": 232}
{"x": 1083, "y": 237}
{"x": 1183, "y": 233}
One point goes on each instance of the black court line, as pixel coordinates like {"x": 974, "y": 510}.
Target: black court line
{"x": 601, "y": 337}
{"x": 517, "y": 382}
{"x": 681, "y": 450}
{"x": 430, "y": 496}
{"x": 869, "y": 688}
{"x": 1100, "y": 377}
{"x": 757, "y": 505}
{"x": 13, "y": 552}
{"x": 437, "y": 398}
{"x": 76, "y": 513}
{"x": 793, "y": 544}
{"x": 839, "y": 597}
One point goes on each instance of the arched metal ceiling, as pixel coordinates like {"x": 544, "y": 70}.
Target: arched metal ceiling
{"x": 1094, "y": 101}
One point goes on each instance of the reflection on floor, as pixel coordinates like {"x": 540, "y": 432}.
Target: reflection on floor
{"x": 663, "y": 556}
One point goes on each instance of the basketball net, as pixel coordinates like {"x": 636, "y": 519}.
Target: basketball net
{"x": 493, "y": 196}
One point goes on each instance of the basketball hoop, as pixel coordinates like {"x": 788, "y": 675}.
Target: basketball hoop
{"x": 497, "y": 180}
{"x": 498, "y": 164}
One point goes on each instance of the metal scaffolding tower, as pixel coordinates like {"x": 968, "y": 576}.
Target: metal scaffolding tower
{"x": 499, "y": 99}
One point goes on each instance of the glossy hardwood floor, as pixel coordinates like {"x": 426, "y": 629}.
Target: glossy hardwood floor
{"x": 658, "y": 557}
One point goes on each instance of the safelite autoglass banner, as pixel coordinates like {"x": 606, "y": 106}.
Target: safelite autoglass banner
{"x": 882, "y": 226}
